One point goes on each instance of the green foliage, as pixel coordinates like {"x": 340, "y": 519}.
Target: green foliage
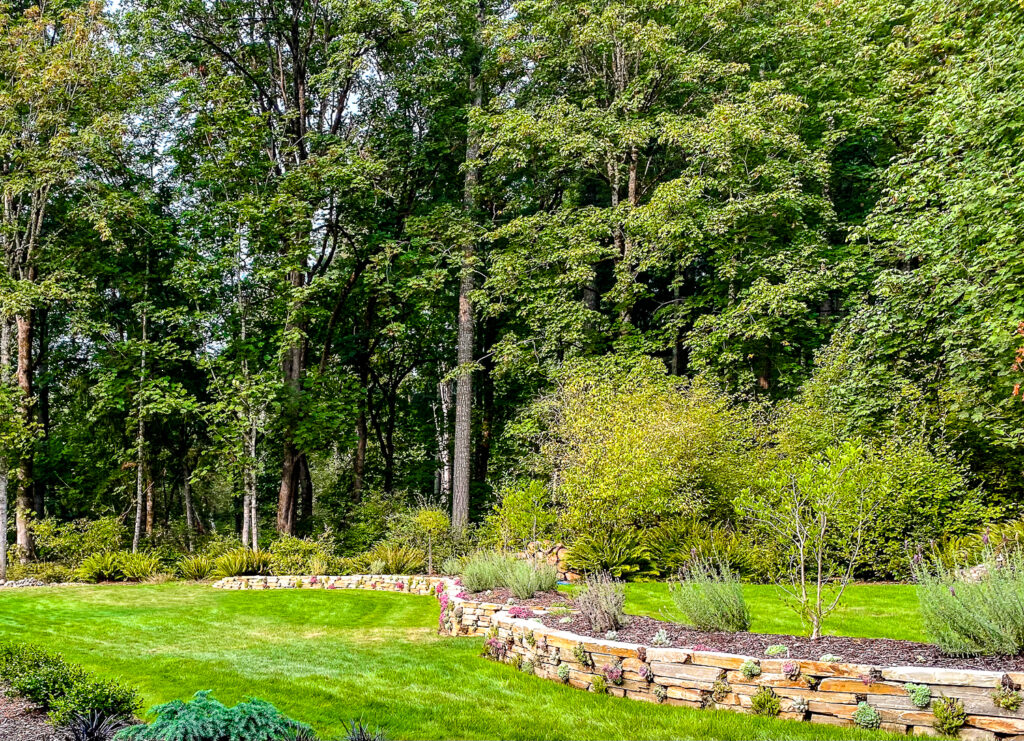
{"x": 866, "y": 716}
{"x": 708, "y": 596}
{"x": 919, "y": 694}
{"x": 524, "y": 579}
{"x": 356, "y": 731}
{"x": 1007, "y": 698}
{"x": 967, "y": 617}
{"x": 242, "y": 562}
{"x": 765, "y": 702}
{"x": 204, "y": 719}
{"x": 776, "y": 650}
{"x": 950, "y": 715}
{"x": 196, "y": 568}
{"x": 817, "y": 511}
{"x": 522, "y": 514}
{"x": 62, "y": 688}
{"x": 293, "y": 556}
{"x": 750, "y": 668}
{"x": 397, "y": 559}
{"x": 620, "y": 553}
{"x": 103, "y": 566}
{"x": 138, "y": 566}
{"x": 598, "y": 685}
{"x": 73, "y": 542}
{"x": 693, "y": 442}
{"x": 563, "y": 673}
{"x": 661, "y": 638}
{"x": 601, "y": 600}
{"x": 672, "y": 544}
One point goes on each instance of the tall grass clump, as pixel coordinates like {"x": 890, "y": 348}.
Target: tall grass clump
{"x": 602, "y": 602}
{"x": 483, "y": 571}
{"x": 524, "y": 579}
{"x": 708, "y": 596}
{"x": 966, "y": 616}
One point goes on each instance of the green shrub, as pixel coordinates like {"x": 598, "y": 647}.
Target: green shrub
{"x": 290, "y": 555}
{"x": 138, "y": 566}
{"x": 949, "y": 715}
{"x": 524, "y": 579}
{"x": 73, "y": 542}
{"x": 598, "y": 685}
{"x": 1007, "y": 698}
{"x": 242, "y": 562}
{"x": 398, "y": 559}
{"x": 602, "y": 602}
{"x": 672, "y": 545}
{"x": 484, "y": 570}
{"x": 51, "y": 573}
{"x": 103, "y": 566}
{"x": 765, "y": 702}
{"x": 452, "y": 566}
{"x": 866, "y": 716}
{"x": 64, "y": 689}
{"x": 196, "y": 568}
{"x": 708, "y": 596}
{"x": 523, "y": 513}
{"x": 966, "y": 618}
{"x": 204, "y": 719}
{"x": 617, "y": 552}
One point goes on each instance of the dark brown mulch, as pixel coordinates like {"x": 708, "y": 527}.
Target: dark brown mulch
{"x": 502, "y": 596}
{"x": 20, "y": 720}
{"x": 871, "y": 651}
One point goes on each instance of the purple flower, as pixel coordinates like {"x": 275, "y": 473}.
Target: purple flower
{"x": 521, "y": 613}
{"x": 462, "y": 595}
{"x": 439, "y": 588}
{"x": 984, "y": 537}
{"x": 791, "y": 669}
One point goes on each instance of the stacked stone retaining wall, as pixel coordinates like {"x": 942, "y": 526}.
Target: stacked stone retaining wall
{"x": 814, "y": 691}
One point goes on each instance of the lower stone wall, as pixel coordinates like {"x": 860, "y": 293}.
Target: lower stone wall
{"x": 814, "y": 691}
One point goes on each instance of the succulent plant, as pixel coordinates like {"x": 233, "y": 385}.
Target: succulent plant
{"x": 581, "y": 655}
{"x": 830, "y": 658}
{"x": 661, "y": 638}
{"x": 791, "y": 669}
{"x": 1007, "y": 698}
{"x": 613, "y": 673}
{"x": 920, "y": 694}
{"x": 563, "y": 673}
{"x": 720, "y": 690}
{"x": 660, "y": 693}
{"x": 750, "y": 668}
{"x": 777, "y": 650}
{"x": 799, "y": 705}
{"x": 598, "y": 686}
{"x": 866, "y": 716}
{"x": 949, "y": 715}
{"x": 612, "y": 635}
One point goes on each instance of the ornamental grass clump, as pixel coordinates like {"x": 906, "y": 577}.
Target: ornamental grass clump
{"x": 965, "y": 617}
{"x": 602, "y": 602}
{"x": 524, "y": 579}
{"x": 708, "y": 596}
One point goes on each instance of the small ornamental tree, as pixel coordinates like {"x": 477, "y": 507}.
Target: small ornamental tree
{"x": 433, "y": 523}
{"x": 816, "y": 512}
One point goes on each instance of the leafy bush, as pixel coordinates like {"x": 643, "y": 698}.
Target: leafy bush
{"x": 949, "y": 715}
{"x": 64, "y": 689}
{"x": 673, "y": 544}
{"x": 138, "y": 566}
{"x": 204, "y": 719}
{"x": 765, "y": 702}
{"x": 966, "y": 618}
{"x": 617, "y": 552}
{"x": 523, "y": 514}
{"x": 708, "y": 596}
{"x": 104, "y": 566}
{"x": 291, "y": 555}
{"x": 73, "y": 542}
{"x": 243, "y": 562}
{"x": 452, "y": 566}
{"x": 196, "y": 568}
{"x": 524, "y": 579}
{"x": 601, "y": 601}
{"x": 866, "y": 716}
{"x": 51, "y": 573}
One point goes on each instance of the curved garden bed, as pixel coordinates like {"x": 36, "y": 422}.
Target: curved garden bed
{"x": 959, "y": 701}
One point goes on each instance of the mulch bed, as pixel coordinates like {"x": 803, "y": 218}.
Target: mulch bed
{"x": 20, "y": 720}
{"x": 539, "y": 600}
{"x": 871, "y": 651}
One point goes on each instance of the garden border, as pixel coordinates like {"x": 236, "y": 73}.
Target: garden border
{"x": 821, "y": 692}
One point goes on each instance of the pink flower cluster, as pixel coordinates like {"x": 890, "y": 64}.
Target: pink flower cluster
{"x": 439, "y": 588}
{"x": 645, "y": 672}
{"x": 521, "y": 613}
{"x": 613, "y": 673}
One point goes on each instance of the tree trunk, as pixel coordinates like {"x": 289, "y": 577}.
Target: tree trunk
{"x": 287, "y": 495}
{"x": 190, "y": 513}
{"x": 467, "y": 283}
{"x": 140, "y": 439}
{"x": 292, "y": 366}
{"x": 150, "y": 503}
{"x": 23, "y": 502}
{"x": 305, "y": 526}
{"x": 5, "y": 366}
{"x": 444, "y": 455}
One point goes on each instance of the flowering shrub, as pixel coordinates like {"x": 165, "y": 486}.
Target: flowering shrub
{"x": 613, "y": 673}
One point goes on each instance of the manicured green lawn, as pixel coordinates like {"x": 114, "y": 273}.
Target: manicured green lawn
{"x": 326, "y": 657}
{"x": 867, "y": 610}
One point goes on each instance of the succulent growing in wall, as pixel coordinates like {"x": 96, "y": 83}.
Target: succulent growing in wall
{"x": 661, "y": 638}
{"x": 920, "y": 694}
{"x": 750, "y": 668}
{"x": 791, "y": 669}
{"x": 777, "y": 650}
{"x": 580, "y": 654}
{"x": 612, "y": 635}
{"x": 515, "y": 661}
{"x": 720, "y": 690}
{"x": 613, "y": 673}
{"x": 866, "y": 716}
{"x": 494, "y": 648}
{"x": 660, "y": 693}
{"x": 799, "y": 705}
{"x": 644, "y": 670}
{"x": 563, "y": 673}
{"x": 527, "y": 666}
{"x": 765, "y": 702}
{"x": 949, "y": 715}
{"x": 1007, "y": 698}
{"x": 598, "y": 686}
{"x": 530, "y": 639}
